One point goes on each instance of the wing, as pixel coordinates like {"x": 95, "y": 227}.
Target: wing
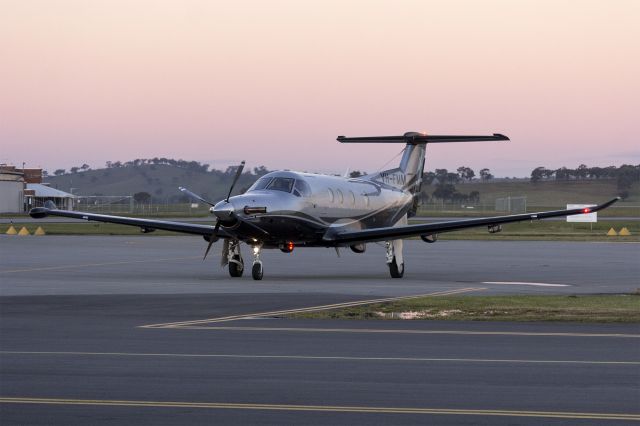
{"x": 397, "y": 232}
{"x": 147, "y": 225}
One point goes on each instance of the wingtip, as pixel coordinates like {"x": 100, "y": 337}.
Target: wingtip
{"x": 39, "y": 212}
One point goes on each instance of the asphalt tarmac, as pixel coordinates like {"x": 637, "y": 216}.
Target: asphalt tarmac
{"x": 138, "y": 330}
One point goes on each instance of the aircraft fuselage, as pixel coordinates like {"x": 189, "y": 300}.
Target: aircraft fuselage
{"x": 311, "y": 206}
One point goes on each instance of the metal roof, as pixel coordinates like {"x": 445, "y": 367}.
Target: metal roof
{"x": 48, "y": 192}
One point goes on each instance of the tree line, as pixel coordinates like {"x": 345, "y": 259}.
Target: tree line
{"x": 193, "y": 166}
{"x": 625, "y": 175}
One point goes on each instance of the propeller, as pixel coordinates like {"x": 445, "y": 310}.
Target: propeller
{"x": 195, "y": 196}
{"x": 212, "y": 238}
{"x": 235, "y": 179}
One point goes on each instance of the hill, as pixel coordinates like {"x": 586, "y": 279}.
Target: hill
{"x": 161, "y": 181}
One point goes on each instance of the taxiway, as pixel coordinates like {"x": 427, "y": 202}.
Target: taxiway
{"x": 139, "y": 330}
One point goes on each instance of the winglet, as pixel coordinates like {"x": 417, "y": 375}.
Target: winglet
{"x": 50, "y": 205}
{"x": 605, "y": 205}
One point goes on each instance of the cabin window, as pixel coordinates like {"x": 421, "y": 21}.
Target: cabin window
{"x": 281, "y": 184}
{"x": 331, "y": 196}
{"x": 366, "y": 200}
{"x": 340, "y": 196}
{"x": 260, "y": 184}
{"x": 301, "y": 188}
{"x": 352, "y": 196}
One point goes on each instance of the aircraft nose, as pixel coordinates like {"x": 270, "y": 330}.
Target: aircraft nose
{"x": 223, "y": 210}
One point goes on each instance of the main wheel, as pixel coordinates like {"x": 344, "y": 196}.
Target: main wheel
{"x": 257, "y": 271}
{"x": 396, "y": 271}
{"x": 236, "y": 268}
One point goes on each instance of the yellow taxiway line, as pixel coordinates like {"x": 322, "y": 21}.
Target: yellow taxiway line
{"x": 321, "y": 358}
{"x": 323, "y": 408}
{"x": 308, "y": 309}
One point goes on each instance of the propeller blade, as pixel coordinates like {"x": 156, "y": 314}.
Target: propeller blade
{"x": 195, "y": 196}
{"x": 212, "y": 239}
{"x": 208, "y": 248}
{"x": 235, "y": 179}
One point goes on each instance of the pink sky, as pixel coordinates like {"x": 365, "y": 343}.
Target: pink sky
{"x": 274, "y": 82}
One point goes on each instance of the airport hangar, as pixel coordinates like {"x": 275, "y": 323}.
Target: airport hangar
{"x": 22, "y": 189}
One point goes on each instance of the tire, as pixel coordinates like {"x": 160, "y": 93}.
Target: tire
{"x": 236, "y": 270}
{"x": 395, "y": 270}
{"x": 257, "y": 271}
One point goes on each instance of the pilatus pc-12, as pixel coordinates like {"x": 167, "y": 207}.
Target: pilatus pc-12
{"x": 283, "y": 210}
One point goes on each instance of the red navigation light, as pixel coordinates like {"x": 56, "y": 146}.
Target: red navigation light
{"x": 287, "y": 247}
{"x": 586, "y": 210}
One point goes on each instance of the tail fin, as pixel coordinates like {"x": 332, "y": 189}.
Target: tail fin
{"x": 408, "y": 175}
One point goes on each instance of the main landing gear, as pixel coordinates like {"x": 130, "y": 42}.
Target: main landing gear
{"x": 234, "y": 259}
{"x": 394, "y": 258}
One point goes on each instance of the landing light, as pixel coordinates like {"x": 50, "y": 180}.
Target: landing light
{"x": 256, "y": 250}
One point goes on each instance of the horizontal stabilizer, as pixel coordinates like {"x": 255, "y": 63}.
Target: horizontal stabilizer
{"x": 417, "y": 138}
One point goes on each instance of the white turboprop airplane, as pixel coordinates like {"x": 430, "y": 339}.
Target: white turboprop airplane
{"x": 287, "y": 209}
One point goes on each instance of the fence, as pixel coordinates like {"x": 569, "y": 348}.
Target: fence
{"x": 126, "y": 204}
{"x": 511, "y": 204}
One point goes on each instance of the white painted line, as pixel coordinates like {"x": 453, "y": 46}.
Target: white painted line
{"x": 326, "y": 358}
{"x": 183, "y": 324}
{"x": 525, "y": 283}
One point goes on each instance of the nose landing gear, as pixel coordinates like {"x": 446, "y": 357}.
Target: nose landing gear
{"x": 257, "y": 270}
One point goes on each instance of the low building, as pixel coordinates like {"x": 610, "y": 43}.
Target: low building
{"x": 36, "y": 194}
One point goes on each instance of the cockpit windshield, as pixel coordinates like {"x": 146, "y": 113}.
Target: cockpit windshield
{"x": 260, "y": 184}
{"x": 281, "y": 184}
{"x": 273, "y": 183}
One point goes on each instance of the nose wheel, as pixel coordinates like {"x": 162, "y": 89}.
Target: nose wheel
{"x": 257, "y": 270}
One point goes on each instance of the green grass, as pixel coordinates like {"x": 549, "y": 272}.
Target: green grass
{"x": 586, "y": 308}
